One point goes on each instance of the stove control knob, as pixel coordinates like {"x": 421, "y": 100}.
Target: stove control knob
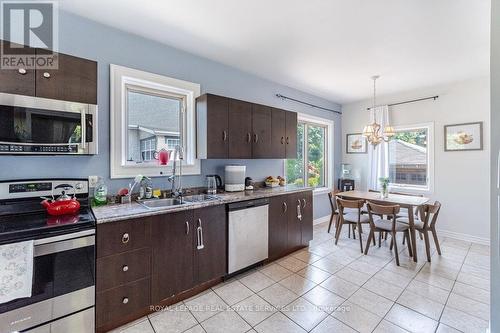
{"x": 79, "y": 186}
{"x": 125, "y": 300}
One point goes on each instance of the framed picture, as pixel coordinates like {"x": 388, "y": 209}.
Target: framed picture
{"x": 462, "y": 137}
{"x": 355, "y": 144}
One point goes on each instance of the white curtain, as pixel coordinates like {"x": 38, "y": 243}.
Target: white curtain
{"x": 378, "y": 157}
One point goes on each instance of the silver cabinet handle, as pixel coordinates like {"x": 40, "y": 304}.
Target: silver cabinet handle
{"x": 224, "y": 135}
{"x": 187, "y": 228}
{"x": 249, "y": 137}
{"x": 282, "y": 140}
{"x": 125, "y": 268}
{"x": 46, "y": 75}
{"x": 125, "y": 238}
{"x": 304, "y": 203}
{"x": 287, "y": 140}
{"x": 199, "y": 232}
{"x": 299, "y": 211}
{"x": 285, "y": 207}
{"x": 22, "y": 71}
{"x": 125, "y": 300}
{"x": 256, "y": 137}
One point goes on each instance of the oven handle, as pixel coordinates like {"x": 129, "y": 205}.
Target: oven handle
{"x": 61, "y": 245}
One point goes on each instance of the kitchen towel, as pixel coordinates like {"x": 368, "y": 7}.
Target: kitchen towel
{"x": 16, "y": 270}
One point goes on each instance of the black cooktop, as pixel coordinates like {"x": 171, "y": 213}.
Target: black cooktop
{"x": 34, "y": 225}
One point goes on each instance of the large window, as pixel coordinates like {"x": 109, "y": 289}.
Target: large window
{"x": 410, "y": 157}
{"x": 312, "y": 165}
{"x": 150, "y": 113}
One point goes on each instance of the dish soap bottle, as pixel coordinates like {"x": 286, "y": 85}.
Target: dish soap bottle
{"x": 100, "y": 193}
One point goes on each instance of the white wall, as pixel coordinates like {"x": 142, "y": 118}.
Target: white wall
{"x": 461, "y": 179}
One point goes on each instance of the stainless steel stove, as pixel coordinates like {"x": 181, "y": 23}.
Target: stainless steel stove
{"x": 63, "y": 289}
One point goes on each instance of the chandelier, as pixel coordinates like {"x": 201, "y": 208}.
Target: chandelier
{"x": 373, "y": 132}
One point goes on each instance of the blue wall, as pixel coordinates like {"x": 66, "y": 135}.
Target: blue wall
{"x": 84, "y": 38}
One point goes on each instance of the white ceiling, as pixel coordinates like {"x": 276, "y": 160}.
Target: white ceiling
{"x": 329, "y": 48}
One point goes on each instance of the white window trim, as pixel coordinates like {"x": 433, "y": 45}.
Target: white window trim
{"x": 120, "y": 77}
{"x": 329, "y": 149}
{"x": 411, "y": 189}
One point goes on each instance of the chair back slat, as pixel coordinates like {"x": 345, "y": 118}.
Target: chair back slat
{"x": 357, "y": 204}
{"x": 383, "y": 209}
{"x": 434, "y": 211}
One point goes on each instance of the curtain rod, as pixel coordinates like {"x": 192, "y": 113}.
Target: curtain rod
{"x": 308, "y": 104}
{"x": 411, "y": 101}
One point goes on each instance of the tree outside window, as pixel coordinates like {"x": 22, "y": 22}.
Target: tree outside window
{"x": 311, "y": 156}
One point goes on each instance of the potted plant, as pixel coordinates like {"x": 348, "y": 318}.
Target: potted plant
{"x": 384, "y": 186}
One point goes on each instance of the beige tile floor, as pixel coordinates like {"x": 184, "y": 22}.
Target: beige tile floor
{"x": 328, "y": 288}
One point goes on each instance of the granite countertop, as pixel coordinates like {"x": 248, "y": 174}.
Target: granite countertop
{"x": 119, "y": 212}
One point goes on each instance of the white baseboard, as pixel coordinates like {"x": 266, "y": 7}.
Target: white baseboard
{"x": 322, "y": 219}
{"x": 441, "y": 233}
{"x": 464, "y": 237}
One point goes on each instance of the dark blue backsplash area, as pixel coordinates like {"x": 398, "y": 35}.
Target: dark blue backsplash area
{"x": 87, "y": 39}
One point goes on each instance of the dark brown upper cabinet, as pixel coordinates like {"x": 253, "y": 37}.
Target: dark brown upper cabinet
{"x": 20, "y": 80}
{"x": 74, "y": 80}
{"x": 212, "y": 126}
{"x": 240, "y": 129}
{"x": 229, "y": 128}
{"x": 291, "y": 135}
{"x": 262, "y": 131}
{"x": 278, "y": 133}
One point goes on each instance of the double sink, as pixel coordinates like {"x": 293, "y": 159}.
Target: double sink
{"x": 172, "y": 202}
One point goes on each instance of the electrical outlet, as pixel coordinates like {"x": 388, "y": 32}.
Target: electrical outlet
{"x": 93, "y": 181}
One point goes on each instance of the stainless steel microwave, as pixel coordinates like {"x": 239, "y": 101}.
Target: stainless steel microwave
{"x": 42, "y": 126}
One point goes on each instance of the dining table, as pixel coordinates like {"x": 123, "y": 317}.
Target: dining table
{"x": 409, "y": 202}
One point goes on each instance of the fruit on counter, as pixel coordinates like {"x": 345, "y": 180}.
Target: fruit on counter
{"x": 123, "y": 191}
{"x": 272, "y": 180}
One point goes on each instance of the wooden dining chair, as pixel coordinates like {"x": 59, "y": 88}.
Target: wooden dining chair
{"x": 430, "y": 213}
{"x": 351, "y": 218}
{"x": 335, "y": 212}
{"x": 389, "y": 225}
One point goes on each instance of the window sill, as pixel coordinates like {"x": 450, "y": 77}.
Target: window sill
{"x": 411, "y": 190}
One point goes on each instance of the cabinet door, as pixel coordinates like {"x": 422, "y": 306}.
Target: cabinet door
{"x": 210, "y": 243}
{"x": 217, "y": 126}
{"x": 291, "y": 135}
{"x": 278, "y": 123}
{"x": 172, "y": 248}
{"x": 307, "y": 217}
{"x": 294, "y": 232}
{"x": 240, "y": 129}
{"x": 20, "y": 80}
{"x": 74, "y": 80}
{"x": 261, "y": 128}
{"x": 278, "y": 237}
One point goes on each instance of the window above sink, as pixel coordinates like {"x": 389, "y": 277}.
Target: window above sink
{"x": 150, "y": 113}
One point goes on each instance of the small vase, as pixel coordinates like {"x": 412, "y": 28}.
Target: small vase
{"x": 384, "y": 193}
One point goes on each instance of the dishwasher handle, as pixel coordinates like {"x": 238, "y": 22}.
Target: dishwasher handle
{"x": 247, "y": 204}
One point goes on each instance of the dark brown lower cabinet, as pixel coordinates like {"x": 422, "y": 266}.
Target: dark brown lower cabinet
{"x": 278, "y": 227}
{"x": 307, "y": 217}
{"x": 172, "y": 247}
{"x": 290, "y": 223}
{"x": 210, "y": 259}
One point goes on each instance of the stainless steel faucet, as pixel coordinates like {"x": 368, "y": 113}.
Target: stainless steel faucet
{"x": 177, "y": 186}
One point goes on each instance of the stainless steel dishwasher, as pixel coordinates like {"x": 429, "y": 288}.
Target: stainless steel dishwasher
{"x": 247, "y": 233}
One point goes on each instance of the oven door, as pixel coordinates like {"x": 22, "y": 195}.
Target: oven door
{"x": 63, "y": 282}
{"x": 34, "y": 125}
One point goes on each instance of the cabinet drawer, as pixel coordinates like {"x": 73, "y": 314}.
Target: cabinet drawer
{"x": 118, "y": 269}
{"x": 117, "y": 303}
{"x": 117, "y": 237}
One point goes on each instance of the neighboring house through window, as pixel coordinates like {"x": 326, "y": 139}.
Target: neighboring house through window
{"x": 411, "y": 158}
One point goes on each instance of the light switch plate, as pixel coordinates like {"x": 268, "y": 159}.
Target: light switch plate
{"x": 93, "y": 181}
